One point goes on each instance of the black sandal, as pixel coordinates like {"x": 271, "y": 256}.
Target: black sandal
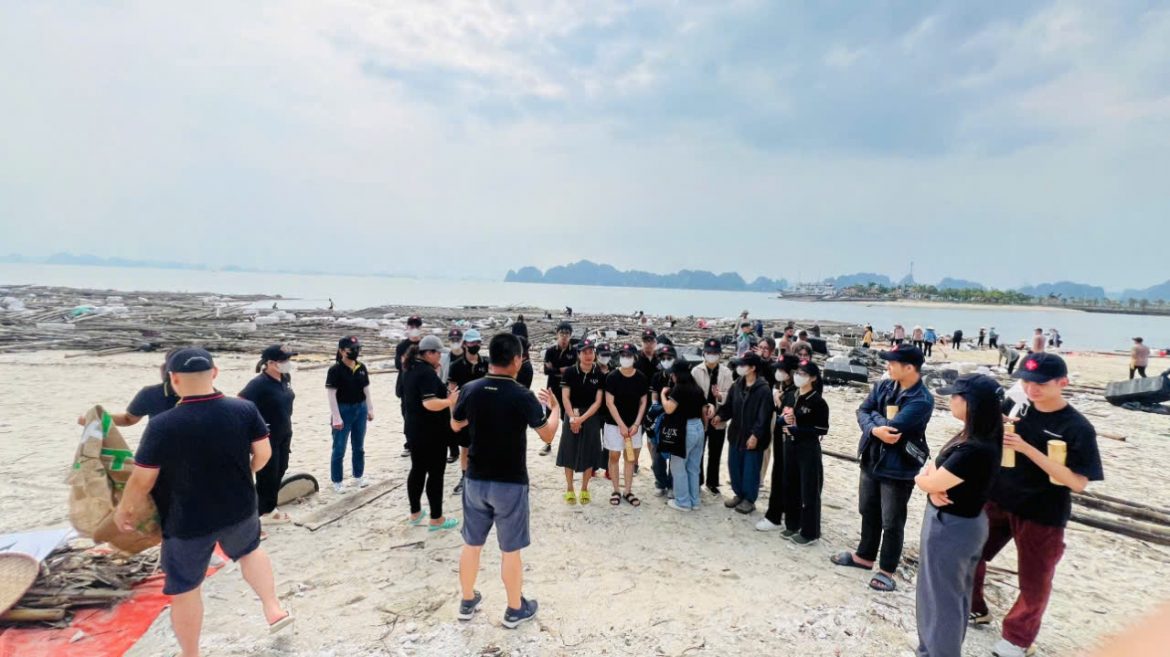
{"x": 615, "y": 499}
{"x": 882, "y": 582}
{"x": 846, "y": 559}
{"x": 632, "y": 499}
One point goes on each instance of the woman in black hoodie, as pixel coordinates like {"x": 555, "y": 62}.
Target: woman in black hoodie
{"x": 750, "y": 408}
{"x": 804, "y": 424}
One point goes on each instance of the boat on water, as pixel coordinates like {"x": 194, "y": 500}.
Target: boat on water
{"x": 809, "y": 292}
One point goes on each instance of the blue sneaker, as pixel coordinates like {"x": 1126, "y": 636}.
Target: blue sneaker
{"x": 467, "y": 608}
{"x": 514, "y": 617}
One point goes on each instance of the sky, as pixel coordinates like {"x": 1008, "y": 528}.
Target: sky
{"x": 1010, "y": 143}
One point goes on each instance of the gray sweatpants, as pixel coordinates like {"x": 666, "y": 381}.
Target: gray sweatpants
{"x": 950, "y": 549}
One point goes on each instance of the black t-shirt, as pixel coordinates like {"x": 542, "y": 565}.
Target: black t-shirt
{"x": 498, "y": 412}
{"x": 1025, "y": 489}
{"x": 660, "y": 380}
{"x": 152, "y": 400}
{"x": 524, "y": 376}
{"x": 647, "y": 365}
{"x": 400, "y": 352}
{"x": 464, "y": 371}
{"x": 976, "y": 463}
{"x": 583, "y": 386}
{"x": 628, "y": 392}
{"x": 555, "y": 359}
{"x": 274, "y": 399}
{"x": 690, "y": 402}
{"x": 203, "y": 451}
{"x": 420, "y": 383}
{"x": 350, "y": 384}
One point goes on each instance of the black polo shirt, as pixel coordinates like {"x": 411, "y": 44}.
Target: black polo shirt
{"x": 463, "y": 371}
{"x": 203, "y": 451}
{"x": 350, "y": 384}
{"x": 152, "y": 400}
{"x": 647, "y": 365}
{"x": 274, "y": 399}
{"x": 555, "y": 359}
{"x": 424, "y": 428}
{"x": 498, "y": 411}
{"x": 583, "y": 386}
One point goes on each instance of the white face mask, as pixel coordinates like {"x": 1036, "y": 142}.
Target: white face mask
{"x": 456, "y": 347}
{"x": 667, "y": 364}
{"x": 286, "y": 367}
{"x": 413, "y": 332}
{"x": 711, "y": 358}
{"x": 741, "y": 370}
{"x": 800, "y": 380}
{"x": 781, "y": 376}
{"x": 627, "y": 362}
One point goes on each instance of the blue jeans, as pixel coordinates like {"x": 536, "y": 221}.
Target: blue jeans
{"x": 353, "y": 418}
{"x": 686, "y": 471}
{"x": 744, "y": 467}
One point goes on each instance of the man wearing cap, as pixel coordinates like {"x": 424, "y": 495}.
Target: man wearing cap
{"x": 413, "y": 335}
{"x": 893, "y": 449}
{"x": 347, "y": 385}
{"x": 271, "y": 391}
{"x": 714, "y": 379}
{"x": 1031, "y": 502}
{"x": 1139, "y": 358}
{"x": 467, "y": 368}
{"x": 453, "y": 352}
{"x": 746, "y": 340}
{"x": 646, "y": 361}
{"x": 206, "y": 438}
{"x": 558, "y": 358}
{"x": 750, "y": 407}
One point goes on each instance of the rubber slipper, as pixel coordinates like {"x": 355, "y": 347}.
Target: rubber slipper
{"x": 570, "y": 498}
{"x": 281, "y": 624}
{"x": 415, "y": 522}
{"x": 846, "y": 559}
{"x": 882, "y": 582}
{"x": 449, "y": 523}
{"x": 586, "y": 498}
{"x": 632, "y": 499}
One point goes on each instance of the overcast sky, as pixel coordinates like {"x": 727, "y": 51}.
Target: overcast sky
{"x": 1006, "y": 142}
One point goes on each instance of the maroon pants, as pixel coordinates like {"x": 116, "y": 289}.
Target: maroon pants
{"x": 1039, "y": 548}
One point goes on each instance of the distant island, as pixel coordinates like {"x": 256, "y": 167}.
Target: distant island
{"x": 863, "y": 286}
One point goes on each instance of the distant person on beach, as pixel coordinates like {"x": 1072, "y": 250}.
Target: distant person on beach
{"x": 954, "y": 527}
{"x": 866, "y": 338}
{"x": 899, "y": 335}
{"x": 348, "y": 386}
{"x": 1008, "y": 356}
{"x": 497, "y": 413}
{"x": 428, "y": 430}
{"x": 582, "y": 397}
{"x": 918, "y": 337}
{"x": 568, "y": 311}
{"x": 992, "y": 339}
{"x": 331, "y": 304}
{"x": 801, "y": 344}
{"x": 893, "y": 450}
{"x": 929, "y": 338}
{"x": 1026, "y": 506}
{"x": 683, "y": 405}
{"x": 746, "y": 340}
{"x": 413, "y": 335}
{"x": 982, "y": 337}
{"x": 149, "y": 401}
{"x": 957, "y": 339}
{"x": 714, "y": 379}
{"x": 1038, "y": 342}
{"x": 558, "y": 358}
{"x": 1139, "y": 358}
{"x": 749, "y": 407}
{"x": 271, "y": 391}
{"x": 519, "y": 328}
{"x": 626, "y": 394}
{"x": 206, "y": 438}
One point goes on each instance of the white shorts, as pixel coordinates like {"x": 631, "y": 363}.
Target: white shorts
{"x": 612, "y": 440}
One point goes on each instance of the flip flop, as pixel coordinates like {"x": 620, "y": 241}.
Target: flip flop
{"x": 586, "y": 498}
{"x": 415, "y": 522}
{"x": 882, "y": 582}
{"x": 615, "y": 499}
{"x": 632, "y": 499}
{"x": 281, "y": 624}
{"x": 449, "y": 523}
{"x": 846, "y": 559}
{"x": 570, "y": 497}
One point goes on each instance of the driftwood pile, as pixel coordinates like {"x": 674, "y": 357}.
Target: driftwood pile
{"x": 79, "y": 576}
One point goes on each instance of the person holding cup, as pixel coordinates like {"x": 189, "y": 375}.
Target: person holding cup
{"x": 1031, "y": 503}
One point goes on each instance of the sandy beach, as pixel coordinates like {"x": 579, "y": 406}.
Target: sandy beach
{"x": 622, "y": 581}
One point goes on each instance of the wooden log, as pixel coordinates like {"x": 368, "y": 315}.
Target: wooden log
{"x": 347, "y": 505}
{"x": 22, "y": 615}
{"x": 1125, "y": 528}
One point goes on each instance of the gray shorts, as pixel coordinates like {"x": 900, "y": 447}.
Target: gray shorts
{"x": 185, "y": 560}
{"x": 505, "y": 505}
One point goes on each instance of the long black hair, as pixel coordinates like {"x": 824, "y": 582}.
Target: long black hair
{"x": 412, "y": 354}
{"x": 984, "y": 421}
{"x": 810, "y": 368}
{"x": 684, "y": 380}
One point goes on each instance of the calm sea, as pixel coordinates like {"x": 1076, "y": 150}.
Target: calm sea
{"x": 1080, "y": 330}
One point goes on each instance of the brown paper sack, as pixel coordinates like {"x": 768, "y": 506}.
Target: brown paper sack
{"x": 101, "y": 468}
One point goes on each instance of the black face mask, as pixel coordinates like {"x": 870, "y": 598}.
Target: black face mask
{"x": 473, "y": 349}
{"x": 352, "y": 354}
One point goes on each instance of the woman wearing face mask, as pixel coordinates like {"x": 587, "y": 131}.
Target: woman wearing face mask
{"x": 659, "y": 463}
{"x": 428, "y": 420}
{"x": 955, "y": 527}
{"x": 350, "y": 406}
{"x": 581, "y": 396}
{"x": 271, "y": 391}
{"x": 684, "y": 404}
{"x": 749, "y": 406}
{"x": 784, "y": 395}
{"x": 626, "y": 393}
{"x": 805, "y": 422}
{"x": 714, "y": 380}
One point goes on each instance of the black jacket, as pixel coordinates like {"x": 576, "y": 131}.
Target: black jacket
{"x": 811, "y": 412}
{"x": 750, "y": 411}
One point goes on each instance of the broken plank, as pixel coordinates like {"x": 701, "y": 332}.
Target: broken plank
{"x": 347, "y": 505}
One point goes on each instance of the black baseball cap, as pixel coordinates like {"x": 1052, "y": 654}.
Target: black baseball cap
{"x": 414, "y": 320}
{"x": 277, "y": 354}
{"x": 348, "y": 341}
{"x": 455, "y": 334}
{"x": 788, "y": 363}
{"x": 649, "y": 334}
{"x": 905, "y": 353}
{"x": 604, "y": 350}
{"x": 1041, "y": 367}
{"x": 809, "y": 367}
{"x": 564, "y": 327}
{"x": 977, "y": 385}
{"x": 666, "y": 349}
{"x": 586, "y": 343}
{"x": 190, "y": 361}
{"x": 712, "y": 346}
{"x": 627, "y": 348}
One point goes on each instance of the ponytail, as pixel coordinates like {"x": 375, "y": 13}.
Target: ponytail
{"x": 411, "y": 356}
{"x": 260, "y": 365}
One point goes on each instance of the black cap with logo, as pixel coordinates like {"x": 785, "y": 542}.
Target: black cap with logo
{"x": 1041, "y": 367}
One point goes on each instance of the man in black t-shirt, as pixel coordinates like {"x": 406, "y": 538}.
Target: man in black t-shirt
{"x": 558, "y": 358}
{"x": 149, "y": 401}
{"x": 205, "y": 438}
{"x": 497, "y": 412}
{"x": 1031, "y": 502}
{"x": 646, "y": 361}
{"x": 467, "y": 368}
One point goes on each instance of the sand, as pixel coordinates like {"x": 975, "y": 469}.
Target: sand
{"x": 622, "y": 581}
